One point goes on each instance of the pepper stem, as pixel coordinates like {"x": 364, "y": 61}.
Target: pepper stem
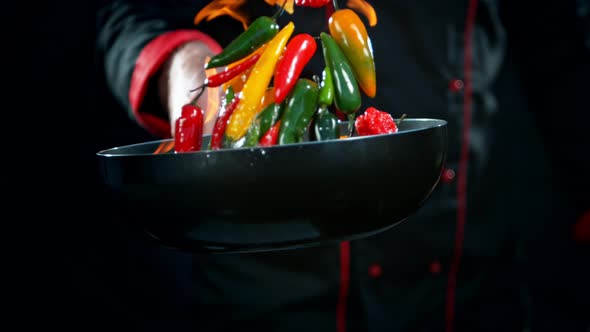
{"x": 194, "y": 101}
{"x": 335, "y": 4}
{"x": 280, "y": 11}
{"x": 351, "y": 117}
{"x": 401, "y": 119}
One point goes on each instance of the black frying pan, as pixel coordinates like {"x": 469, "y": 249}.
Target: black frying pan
{"x": 258, "y": 199}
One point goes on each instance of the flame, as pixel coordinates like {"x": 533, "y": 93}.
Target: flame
{"x": 218, "y": 8}
{"x": 164, "y": 147}
{"x": 288, "y": 6}
{"x": 365, "y": 8}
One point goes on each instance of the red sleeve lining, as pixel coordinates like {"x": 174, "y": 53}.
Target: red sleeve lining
{"x": 151, "y": 58}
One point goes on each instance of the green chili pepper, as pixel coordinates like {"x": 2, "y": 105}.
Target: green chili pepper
{"x": 301, "y": 105}
{"x": 326, "y": 125}
{"x": 253, "y": 134}
{"x": 326, "y": 89}
{"x": 259, "y": 32}
{"x": 347, "y": 95}
{"x": 269, "y": 116}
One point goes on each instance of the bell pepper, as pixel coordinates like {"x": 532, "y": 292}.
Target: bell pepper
{"x": 347, "y": 97}
{"x": 298, "y": 53}
{"x": 259, "y": 32}
{"x": 188, "y": 128}
{"x": 256, "y": 84}
{"x": 349, "y": 32}
{"x": 299, "y": 111}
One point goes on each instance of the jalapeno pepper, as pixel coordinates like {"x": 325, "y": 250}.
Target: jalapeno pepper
{"x": 326, "y": 96}
{"x": 326, "y": 125}
{"x": 259, "y": 32}
{"x": 349, "y": 32}
{"x": 300, "y": 108}
{"x": 253, "y": 134}
{"x": 188, "y": 135}
{"x": 221, "y": 123}
{"x": 271, "y": 136}
{"x": 256, "y": 84}
{"x": 347, "y": 96}
{"x": 312, "y": 3}
{"x": 298, "y": 53}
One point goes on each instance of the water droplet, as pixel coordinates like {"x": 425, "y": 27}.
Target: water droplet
{"x": 262, "y": 152}
{"x": 251, "y": 164}
{"x": 208, "y": 155}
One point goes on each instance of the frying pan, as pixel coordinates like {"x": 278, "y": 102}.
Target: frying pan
{"x": 279, "y": 197}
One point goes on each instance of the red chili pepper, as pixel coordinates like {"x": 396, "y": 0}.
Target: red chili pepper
{"x": 188, "y": 135}
{"x": 271, "y": 137}
{"x": 374, "y": 122}
{"x": 221, "y": 124}
{"x": 220, "y": 78}
{"x": 312, "y": 3}
{"x": 297, "y": 54}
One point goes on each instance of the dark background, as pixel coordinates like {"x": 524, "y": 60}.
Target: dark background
{"x": 79, "y": 264}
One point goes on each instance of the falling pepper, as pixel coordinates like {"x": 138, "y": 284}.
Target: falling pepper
{"x": 259, "y": 32}
{"x": 299, "y": 111}
{"x": 346, "y": 92}
{"x": 270, "y": 138}
{"x": 297, "y": 54}
{"x": 256, "y": 84}
{"x": 222, "y": 120}
{"x": 228, "y": 74}
{"x": 349, "y": 32}
{"x": 325, "y": 123}
{"x": 188, "y": 135}
{"x": 312, "y": 3}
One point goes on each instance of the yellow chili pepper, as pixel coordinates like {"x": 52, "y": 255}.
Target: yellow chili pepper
{"x": 350, "y": 34}
{"x": 255, "y": 87}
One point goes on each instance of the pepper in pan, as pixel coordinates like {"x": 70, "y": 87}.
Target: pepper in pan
{"x": 326, "y": 123}
{"x": 297, "y": 54}
{"x": 299, "y": 111}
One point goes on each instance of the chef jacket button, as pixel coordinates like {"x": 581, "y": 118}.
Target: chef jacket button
{"x": 448, "y": 175}
{"x": 375, "y": 271}
{"x": 434, "y": 267}
{"x": 456, "y": 85}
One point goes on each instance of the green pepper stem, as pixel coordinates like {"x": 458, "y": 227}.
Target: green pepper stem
{"x": 351, "y": 117}
{"x": 335, "y": 3}
{"x": 280, "y": 11}
{"x": 194, "y": 101}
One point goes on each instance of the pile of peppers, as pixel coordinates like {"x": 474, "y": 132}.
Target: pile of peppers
{"x": 267, "y": 101}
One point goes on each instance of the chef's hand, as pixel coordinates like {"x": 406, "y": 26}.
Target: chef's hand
{"x": 184, "y": 71}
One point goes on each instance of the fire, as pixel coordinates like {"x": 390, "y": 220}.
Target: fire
{"x": 365, "y": 8}
{"x": 288, "y": 6}
{"x": 164, "y": 147}
{"x": 218, "y": 8}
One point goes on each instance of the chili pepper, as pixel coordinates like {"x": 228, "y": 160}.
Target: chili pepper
{"x": 312, "y": 3}
{"x": 270, "y": 138}
{"x": 269, "y": 116}
{"x": 188, "y": 135}
{"x": 268, "y": 98}
{"x": 221, "y": 124}
{"x": 374, "y": 122}
{"x": 225, "y": 76}
{"x": 259, "y": 32}
{"x": 253, "y": 134}
{"x": 326, "y": 125}
{"x": 349, "y": 32}
{"x": 299, "y": 110}
{"x": 256, "y": 84}
{"x": 326, "y": 96}
{"x": 297, "y": 54}
{"x": 347, "y": 96}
